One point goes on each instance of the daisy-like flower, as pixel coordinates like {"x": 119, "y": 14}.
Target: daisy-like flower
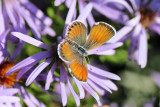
{"x": 17, "y": 12}
{"x": 146, "y": 16}
{"x": 104, "y": 7}
{"x": 9, "y": 88}
{"x": 98, "y": 79}
{"x": 8, "y": 98}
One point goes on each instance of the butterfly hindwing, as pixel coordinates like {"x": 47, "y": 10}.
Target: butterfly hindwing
{"x": 77, "y": 32}
{"x": 79, "y": 68}
{"x": 100, "y": 33}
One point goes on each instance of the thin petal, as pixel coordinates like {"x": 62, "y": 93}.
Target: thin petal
{"x": 2, "y": 25}
{"x": 71, "y": 12}
{"x": 122, "y": 2}
{"x": 8, "y": 91}
{"x": 37, "y": 12}
{"x": 30, "y": 40}
{"x": 28, "y": 61}
{"x": 109, "y": 52}
{"x": 98, "y": 82}
{"x": 155, "y": 27}
{"x": 92, "y": 92}
{"x": 84, "y": 14}
{"x": 102, "y": 73}
{"x": 50, "y": 76}
{"x": 63, "y": 88}
{"x": 142, "y": 58}
{"x": 80, "y": 88}
{"x": 69, "y": 15}
{"x": 26, "y": 14}
{"x": 107, "y": 46}
{"x": 134, "y": 40}
{"x": 118, "y": 15}
{"x": 77, "y": 100}
{"x": 37, "y": 71}
{"x": 9, "y": 99}
{"x": 98, "y": 89}
{"x": 133, "y": 2}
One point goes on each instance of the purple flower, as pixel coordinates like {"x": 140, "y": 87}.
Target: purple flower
{"x": 17, "y": 12}
{"x": 98, "y": 79}
{"x": 8, "y": 97}
{"x": 146, "y": 16}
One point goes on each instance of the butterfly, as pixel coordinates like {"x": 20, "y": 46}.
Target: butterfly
{"x": 73, "y": 49}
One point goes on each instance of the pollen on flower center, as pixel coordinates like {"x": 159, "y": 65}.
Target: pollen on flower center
{"x": 147, "y": 16}
{"x": 7, "y": 81}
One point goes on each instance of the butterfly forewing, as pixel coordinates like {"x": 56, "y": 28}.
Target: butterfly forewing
{"x": 79, "y": 68}
{"x": 67, "y": 51}
{"x": 77, "y": 32}
{"x": 100, "y": 33}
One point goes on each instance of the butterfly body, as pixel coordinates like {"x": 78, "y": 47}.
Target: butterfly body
{"x": 73, "y": 49}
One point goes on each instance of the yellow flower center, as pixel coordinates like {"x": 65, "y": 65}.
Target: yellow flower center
{"x": 8, "y": 81}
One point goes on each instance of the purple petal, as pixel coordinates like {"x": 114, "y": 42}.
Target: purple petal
{"x": 10, "y": 13}
{"x": 134, "y": 40}
{"x": 77, "y": 100}
{"x": 40, "y": 86}
{"x": 49, "y": 31}
{"x": 30, "y": 40}
{"x": 84, "y": 14}
{"x": 91, "y": 20}
{"x": 155, "y": 28}
{"x": 133, "y": 2}
{"x": 9, "y": 99}
{"x": 96, "y": 88}
{"x": 69, "y": 15}
{"x": 80, "y": 88}
{"x": 142, "y": 57}
{"x": 26, "y": 98}
{"x": 24, "y": 70}
{"x": 58, "y": 2}
{"x": 37, "y": 12}
{"x": 98, "y": 82}
{"x": 28, "y": 61}
{"x": 4, "y": 35}
{"x": 122, "y": 2}
{"x": 62, "y": 84}
{"x": 105, "y": 48}
{"x": 156, "y": 78}
{"x": 17, "y": 50}
{"x": 118, "y": 15}
{"x": 2, "y": 25}
{"x": 92, "y": 92}
{"x": 70, "y": 12}
{"x": 120, "y": 34}
{"x": 8, "y": 91}
{"x": 109, "y": 52}
{"x": 157, "y": 20}
{"x": 50, "y": 76}
{"x": 134, "y": 21}
{"x": 103, "y": 73}
{"x": 38, "y": 70}
{"x": 125, "y": 30}
{"x": 25, "y": 13}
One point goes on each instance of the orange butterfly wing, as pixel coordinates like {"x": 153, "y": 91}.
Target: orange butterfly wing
{"x": 79, "y": 69}
{"x": 77, "y": 32}
{"x": 100, "y": 33}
